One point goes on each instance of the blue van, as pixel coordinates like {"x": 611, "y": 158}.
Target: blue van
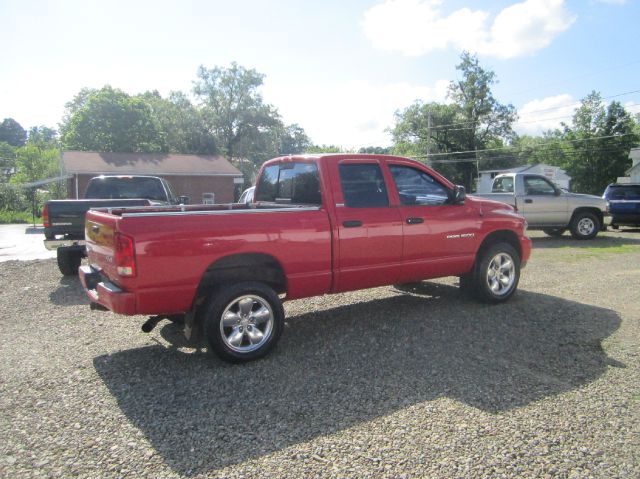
{"x": 624, "y": 204}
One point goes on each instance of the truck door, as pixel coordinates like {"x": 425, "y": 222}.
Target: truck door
{"x": 541, "y": 205}
{"x": 440, "y": 238}
{"x": 369, "y": 229}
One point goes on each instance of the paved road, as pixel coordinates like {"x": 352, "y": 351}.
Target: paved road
{"x": 23, "y": 243}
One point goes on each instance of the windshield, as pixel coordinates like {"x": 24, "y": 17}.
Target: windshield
{"x": 126, "y": 187}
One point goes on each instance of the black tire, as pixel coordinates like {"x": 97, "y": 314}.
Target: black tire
{"x": 584, "y": 225}
{"x": 231, "y": 331}
{"x": 497, "y": 273}
{"x": 69, "y": 261}
{"x": 467, "y": 284}
{"x": 554, "y": 232}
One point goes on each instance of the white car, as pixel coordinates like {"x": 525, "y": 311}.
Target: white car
{"x": 247, "y": 195}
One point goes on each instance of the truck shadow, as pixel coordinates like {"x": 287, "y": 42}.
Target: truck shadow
{"x": 68, "y": 292}
{"x": 336, "y": 368}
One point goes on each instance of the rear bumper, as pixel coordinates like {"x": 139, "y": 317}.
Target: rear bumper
{"x": 105, "y": 293}
{"x": 625, "y": 219}
{"x": 54, "y": 244}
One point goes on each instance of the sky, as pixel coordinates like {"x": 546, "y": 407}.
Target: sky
{"x": 340, "y": 69}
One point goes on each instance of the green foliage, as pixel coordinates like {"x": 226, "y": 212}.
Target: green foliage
{"x": 180, "y": 124}
{"x": 293, "y": 140}
{"x": 11, "y": 132}
{"x": 596, "y": 145}
{"x": 111, "y": 120}
{"x": 15, "y": 216}
{"x": 35, "y": 164}
{"x": 474, "y": 121}
{"x": 7, "y": 161}
{"x": 43, "y": 137}
{"x": 233, "y": 109}
{"x": 376, "y": 150}
{"x": 317, "y": 149}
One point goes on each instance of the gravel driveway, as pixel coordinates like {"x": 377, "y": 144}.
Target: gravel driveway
{"x": 384, "y": 383}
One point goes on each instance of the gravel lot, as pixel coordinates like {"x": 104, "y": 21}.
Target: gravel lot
{"x": 412, "y": 383}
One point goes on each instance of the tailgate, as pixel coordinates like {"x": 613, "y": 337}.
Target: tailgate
{"x": 100, "y": 228}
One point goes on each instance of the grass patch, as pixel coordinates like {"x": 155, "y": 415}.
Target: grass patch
{"x": 572, "y": 254}
{"x": 16, "y": 217}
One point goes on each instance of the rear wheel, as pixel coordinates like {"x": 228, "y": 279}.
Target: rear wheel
{"x": 554, "y": 232}
{"x": 497, "y": 273}
{"x": 244, "y": 321}
{"x": 584, "y": 225}
{"x": 69, "y": 260}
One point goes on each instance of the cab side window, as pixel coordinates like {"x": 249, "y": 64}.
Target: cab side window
{"x": 416, "y": 187}
{"x": 363, "y": 185}
{"x": 534, "y": 185}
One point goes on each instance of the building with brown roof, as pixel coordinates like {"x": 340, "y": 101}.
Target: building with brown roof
{"x": 195, "y": 176}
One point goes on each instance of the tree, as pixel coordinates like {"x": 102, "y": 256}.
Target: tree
{"x": 316, "y": 149}
{"x": 43, "y": 137}
{"x": 7, "y": 161}
{"x": 110, "y": 120}
{"x": 232, "y": 108}
{"x": 293, "y": 140}
{"x": 451, "y": 135}
{"x": 181, "y": 125}
{"x": 11, "y": 132}
{"x": 597, "y": 144}
{"x": 376, "y": 150}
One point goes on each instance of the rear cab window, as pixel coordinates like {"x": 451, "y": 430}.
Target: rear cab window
{"x": 623, "y": 192}
{"x": 289, "y": 183}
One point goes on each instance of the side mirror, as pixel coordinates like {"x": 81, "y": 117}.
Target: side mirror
{"x": 459, "y": 194}
{"x": 183, "y": 200}
{"x": 558, "y": 191}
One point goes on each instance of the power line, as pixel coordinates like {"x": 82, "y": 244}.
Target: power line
{"x": 438, "y": 127}
{"x": 512, "y": 147}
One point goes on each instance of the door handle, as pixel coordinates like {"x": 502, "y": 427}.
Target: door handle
{"x": 415, "y": 220}
{"x": 352, "y": 224}
{"x": 528, "y": 201}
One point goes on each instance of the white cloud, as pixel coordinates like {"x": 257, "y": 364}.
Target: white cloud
{"x": 417, "y": 27}
{"x": 538, "y": 116}
{"x": 350, "y": 115}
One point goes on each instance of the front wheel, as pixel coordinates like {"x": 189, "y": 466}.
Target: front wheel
{"x": 497, "y": 273}
{"x": 244, "y": 321}
{"x": 584, "y": 225}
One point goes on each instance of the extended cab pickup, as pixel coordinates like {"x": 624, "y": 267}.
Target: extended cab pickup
{"x": 318, "y": 225}
{"x": 547, "y": 207}
{"x": 64, "y": 219}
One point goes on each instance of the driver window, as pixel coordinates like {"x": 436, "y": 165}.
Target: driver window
{"x": 416, "y": 187}
{"x": 534, "y": 185}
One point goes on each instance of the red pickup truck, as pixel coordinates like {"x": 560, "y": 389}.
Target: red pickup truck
{"x": 319, "y": 224}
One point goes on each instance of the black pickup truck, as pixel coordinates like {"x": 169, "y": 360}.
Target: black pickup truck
{"x": 64, "y": 219}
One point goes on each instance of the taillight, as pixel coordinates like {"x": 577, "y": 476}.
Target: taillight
{"x": 45, "y": 216}
{"x": 125, "y": 256}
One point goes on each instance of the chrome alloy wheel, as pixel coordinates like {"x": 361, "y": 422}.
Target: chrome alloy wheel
{"x": 586, "y": 226}
{"x": 501, "y": 274}
{"x": 246, "y": 323}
